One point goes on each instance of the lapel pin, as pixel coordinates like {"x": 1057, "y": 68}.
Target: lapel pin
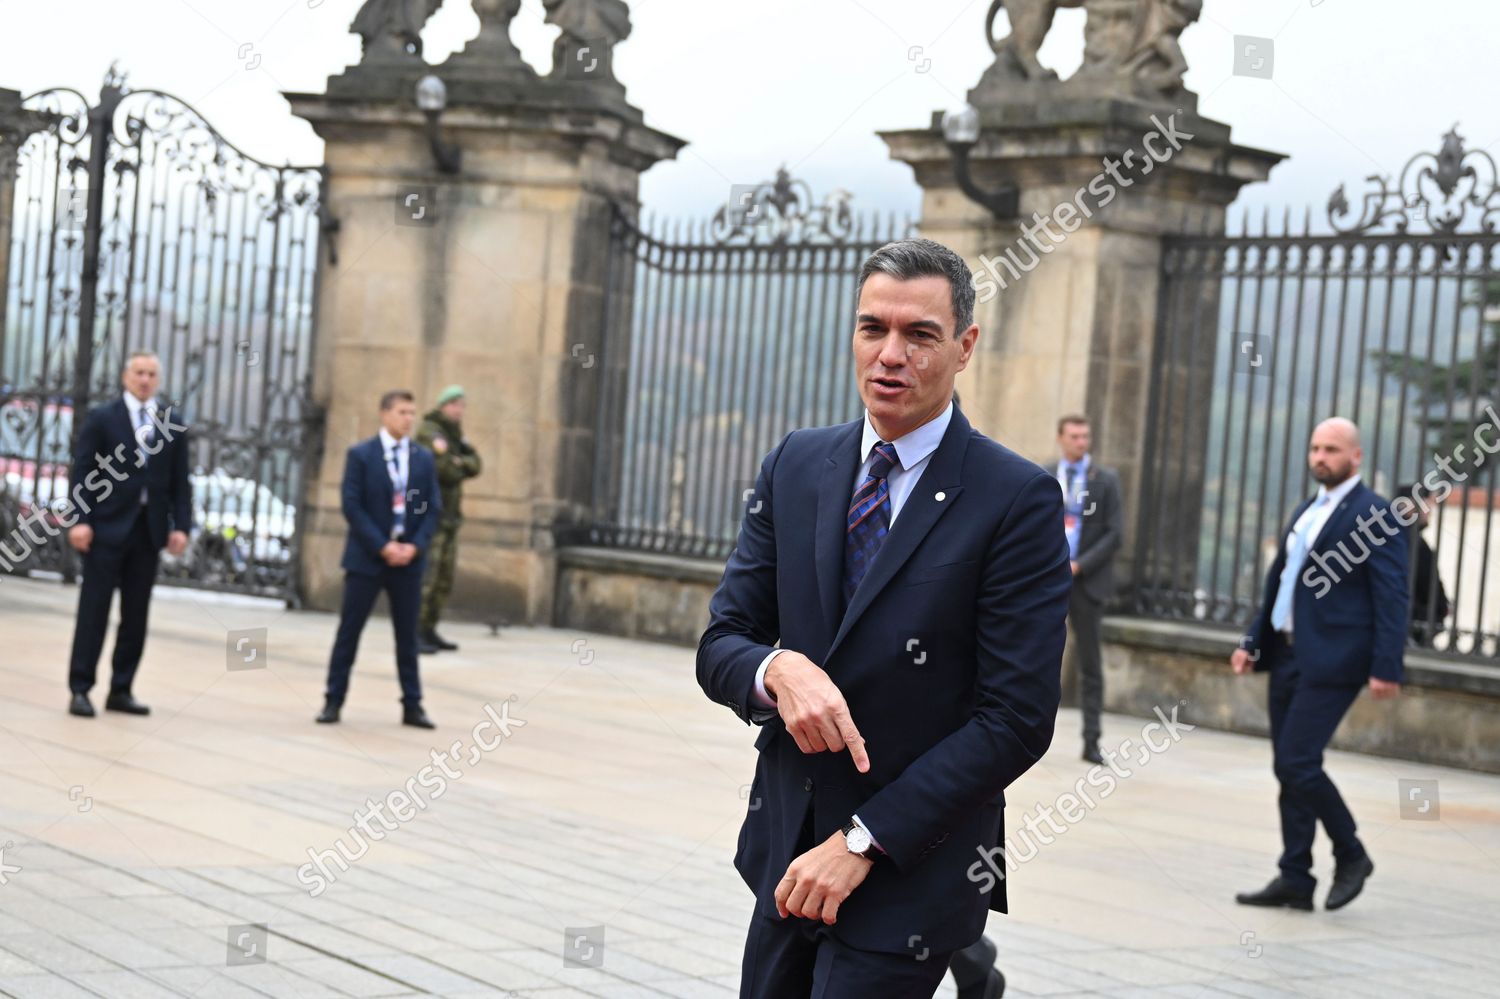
{"x": 940, "y": 496}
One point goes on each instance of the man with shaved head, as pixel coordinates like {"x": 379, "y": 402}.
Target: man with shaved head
{"x": 1333, "y": 621}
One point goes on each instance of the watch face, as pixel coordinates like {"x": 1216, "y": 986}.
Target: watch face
{"x": 857, "y": 839}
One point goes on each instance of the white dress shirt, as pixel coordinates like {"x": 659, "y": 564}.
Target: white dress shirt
{"x": 134, "y": 406}
{"x": 1315, "y": 518}
{"x": 390, "y": 444}
{"x": 913, "y": 453}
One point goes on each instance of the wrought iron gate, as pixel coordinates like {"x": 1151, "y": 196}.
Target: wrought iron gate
{"x": 1389, "y": 316}
{"x": 722, "y": 335}
{"x": 137, "y": 226}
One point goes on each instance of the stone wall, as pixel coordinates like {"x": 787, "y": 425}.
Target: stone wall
{"x": 1447, "y": 714}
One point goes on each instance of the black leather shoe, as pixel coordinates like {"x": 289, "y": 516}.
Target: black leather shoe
{"x": 80, "y": 706}
{"x": 427, "y": 644}
{"x": 974, "y": 972}
{"x": 1348, "y": 881}
{"x": 416, "y": 717}
{"x": 442, "y": 642}
{"x": 1091, "y": 752}
{"x": 330, "y": 713}
{"x": 126, "y": 703}
{"x": 1277, "y": 893}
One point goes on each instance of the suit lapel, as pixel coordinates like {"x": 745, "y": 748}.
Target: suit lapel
{"x": 835, "y": 491}
{"x": 918, "y": 515}
{"x": 1339, "y": 514}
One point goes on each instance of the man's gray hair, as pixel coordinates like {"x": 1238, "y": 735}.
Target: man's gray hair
{"x": 906, "y": 259}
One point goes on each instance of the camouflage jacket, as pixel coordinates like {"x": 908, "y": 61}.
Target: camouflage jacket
{"x": 456, "y": 459}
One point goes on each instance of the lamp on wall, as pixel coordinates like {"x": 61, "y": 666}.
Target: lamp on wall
{"x": 432, "y": 99}
{"x": 961, "y": 130}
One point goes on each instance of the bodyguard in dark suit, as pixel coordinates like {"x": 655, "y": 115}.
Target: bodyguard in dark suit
{"x": 132, "y": 498}
{"x": 898, "y": 590}
{"x": 391, "y": 502}
{"x": 1333, "y": 620}
{"x": 1094, "y": 522}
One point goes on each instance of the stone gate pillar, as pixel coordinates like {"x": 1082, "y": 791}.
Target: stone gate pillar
{"x": 470, "y": 247}
{"x": 1085, "y": 179}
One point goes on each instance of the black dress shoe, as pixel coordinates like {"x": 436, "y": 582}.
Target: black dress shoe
{"x": 1348, "y": 881}
{"x": 1091, "y": 752}
{"x": 974, "y": 972}
{"x": 330, "y": 713}
{"x": 126, "y": 703}
{"x": 80, "y": 706}
{"x": 1277, "y": 893}
{"x": 416, "y": 717}
{"x": 427, "y": 644}
{"x": 442, "y": 642}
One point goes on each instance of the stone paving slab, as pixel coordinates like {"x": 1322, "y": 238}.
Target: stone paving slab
{"x": 136, "y": 848}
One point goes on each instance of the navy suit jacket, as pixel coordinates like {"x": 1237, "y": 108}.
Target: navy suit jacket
{"x": 114, "y": 504}
{"x": 948, "y": 655}
{"x": 366, "y": 495}
{"x": 1349, "y": 612}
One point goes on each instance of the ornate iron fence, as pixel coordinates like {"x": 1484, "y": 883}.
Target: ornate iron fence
{"x": 1391, "y": 318}
{"x": 137, "y": 226}
{"x": 725, "y": 334}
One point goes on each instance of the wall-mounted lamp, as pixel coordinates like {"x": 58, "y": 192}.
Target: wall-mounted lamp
{"x": 961, "y": 130}
{"x": 432, "y": 98}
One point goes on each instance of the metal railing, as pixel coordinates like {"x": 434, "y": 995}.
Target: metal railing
{"x": 1391, "y": 319}
{"x": 733, "y": 330}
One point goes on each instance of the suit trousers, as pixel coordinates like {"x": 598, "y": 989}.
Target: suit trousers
{"x": 131, "y": 569}
{"x": 1303, "y": 719}
{"x": 403, "y": 587}
{"x": 1085, "y": 616}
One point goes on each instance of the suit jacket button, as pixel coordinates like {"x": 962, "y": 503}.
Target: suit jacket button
{"x": 807, "y": 784}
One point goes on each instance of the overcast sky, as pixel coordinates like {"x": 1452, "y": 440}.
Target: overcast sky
{"x": 1358, "y": 86}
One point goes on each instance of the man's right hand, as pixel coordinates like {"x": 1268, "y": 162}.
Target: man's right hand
{"x": 813, "y": 708}
{"x": 393, "y": 553}
{"x": 1240, "y": 662}
{"x": 81, "y": 537}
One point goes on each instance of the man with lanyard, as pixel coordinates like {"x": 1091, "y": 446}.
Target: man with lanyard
{"x": 1092, "y": 519}
{"x": 391, "y": 502}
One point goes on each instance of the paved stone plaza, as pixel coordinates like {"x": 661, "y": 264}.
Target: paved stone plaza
{"x": 140, "y": 854}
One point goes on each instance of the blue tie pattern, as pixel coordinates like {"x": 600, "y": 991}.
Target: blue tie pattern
{"x": 869, "y": 520}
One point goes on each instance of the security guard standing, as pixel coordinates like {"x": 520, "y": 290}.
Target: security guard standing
{"x": 442, "y": 433}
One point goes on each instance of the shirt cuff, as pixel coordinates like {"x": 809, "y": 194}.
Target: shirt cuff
{"x": 763, "y": 698}
{"x": 866, "y": 828}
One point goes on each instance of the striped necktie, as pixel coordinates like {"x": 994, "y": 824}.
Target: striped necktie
{"x": 869, "y": 520}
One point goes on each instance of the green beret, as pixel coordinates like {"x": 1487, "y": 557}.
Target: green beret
{"x": 449, "y": 394}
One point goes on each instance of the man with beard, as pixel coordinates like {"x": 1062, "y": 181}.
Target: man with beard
{"x": 1333, "y": 620}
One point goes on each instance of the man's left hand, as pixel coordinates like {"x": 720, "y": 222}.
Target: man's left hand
{"x": 1383, "y": 689}
{"x": 177, "y": 542}
{"x": 818, "y": 881}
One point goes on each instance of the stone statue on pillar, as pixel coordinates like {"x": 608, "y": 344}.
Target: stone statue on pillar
{"x": 391, "y": 30}
{"x": 1130, "y": 48}
{"x": 591, "y": 29}
{"x": 490, "y": 64}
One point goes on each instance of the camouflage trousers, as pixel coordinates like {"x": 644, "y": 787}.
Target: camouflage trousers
{"x": 439, "y": 581}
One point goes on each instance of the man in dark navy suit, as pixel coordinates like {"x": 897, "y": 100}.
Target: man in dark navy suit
{"x": 132, "y": 497}
{"x": 898, "y": 590}
{"x": 1333, "y": 620}
{"x": 391, "y": 501}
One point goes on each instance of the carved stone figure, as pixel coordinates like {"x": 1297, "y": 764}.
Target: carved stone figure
{"x": 392, "y": 29}
{"x": 1130, "y": 47}
{"x": 590, "y": 31}
{"x": 1030, "y": 20}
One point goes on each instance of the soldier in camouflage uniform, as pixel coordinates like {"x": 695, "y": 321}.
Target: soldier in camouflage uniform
{"x": 441, "y": 433}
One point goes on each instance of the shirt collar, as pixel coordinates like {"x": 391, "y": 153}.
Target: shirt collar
{"x": 1081, "y": 465}
{"x": 1338, "y": 492}
{"x": 390, "y": 443}
{"x": 134, "y": 405}
{"x": 913, "y": 447}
